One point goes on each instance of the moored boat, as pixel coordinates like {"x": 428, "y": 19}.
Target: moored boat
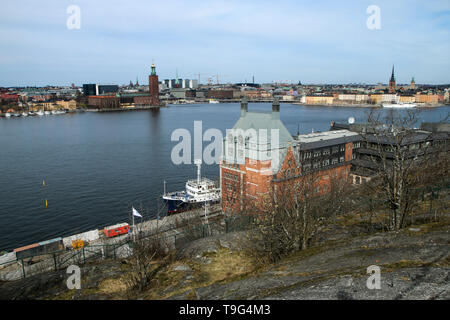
{"x": 399, "y": 105}
{"x": 197, "y": 192}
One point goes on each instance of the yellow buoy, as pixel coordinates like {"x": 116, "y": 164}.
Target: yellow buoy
{"x": 46, "y": 203}
{"x": 43, "y": 183}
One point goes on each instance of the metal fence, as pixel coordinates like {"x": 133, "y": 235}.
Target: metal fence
{"x": 20, "y": 268}
{"x": 436, "y": 198}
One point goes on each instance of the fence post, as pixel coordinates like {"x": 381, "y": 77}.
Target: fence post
{"x": 54, "y": 260}
{"x": 114, "y": 251}
{"x": 23, "y": 269}
{"x": 84, "y": 257}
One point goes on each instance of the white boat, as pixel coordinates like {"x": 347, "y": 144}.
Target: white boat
{"x": 58, "y": 111}
{"x": 47, "y": 113}
{"x": 7, "y": 115}
{"x": 40, "y": 113}
{"x": 399, "y": 105}
{"x": 213, "y": 101}
{"x": 24, "y": 114}
{"x": 31, "y": 113}
{"x": 197, "y": 192}
{"x": 16, "y": 115}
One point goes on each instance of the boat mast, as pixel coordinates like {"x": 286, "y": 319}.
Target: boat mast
{"x": 198, "y": 162}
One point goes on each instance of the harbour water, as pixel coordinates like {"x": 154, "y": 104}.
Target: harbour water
{"x": 97, "y": 165}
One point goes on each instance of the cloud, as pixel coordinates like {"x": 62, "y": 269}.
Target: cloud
{"x": 323, "y": 41}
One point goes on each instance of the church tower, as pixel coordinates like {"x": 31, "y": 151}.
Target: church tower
{"x": 154, "y": 86}
{"x": 392, "y": 88}
{"x": 413, "y": 84}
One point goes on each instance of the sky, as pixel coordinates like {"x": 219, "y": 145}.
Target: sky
{"x": 322, "y": 41}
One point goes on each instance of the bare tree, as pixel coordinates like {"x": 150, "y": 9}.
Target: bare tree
{"x": 150, "y": 253}
{"x": 400, "y": 156}
{"x": 286, "y": 222}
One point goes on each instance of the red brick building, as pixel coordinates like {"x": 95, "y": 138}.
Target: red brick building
{"x": 260, "y": 154}
{"x": 153, "y": 86}
{"x": 220, "y": 94}
{"x": 104, "y": 102}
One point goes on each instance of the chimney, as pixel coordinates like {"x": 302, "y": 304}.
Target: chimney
{"x": 276, "y": 109}
{"x": 244, "y": 107}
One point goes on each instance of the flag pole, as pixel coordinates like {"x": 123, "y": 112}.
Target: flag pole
{"x": 134, "y": 236}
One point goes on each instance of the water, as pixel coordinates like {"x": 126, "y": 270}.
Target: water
{"x": 97, "y": 165}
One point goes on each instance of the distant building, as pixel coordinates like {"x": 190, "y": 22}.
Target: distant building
{"x": 96, "y": 89}
{"x": 104, "y": 102}
{"x": 90, "y": 89}
{"x": 220, "y": 94}
{"x": 107, "y": 88}
{"x": 427, "y": 98}
{"x": 319, "y": 99}
{"x": 392, "y": 88}
{"x": 181, "y": 83}
{"x": 154, "y": 86}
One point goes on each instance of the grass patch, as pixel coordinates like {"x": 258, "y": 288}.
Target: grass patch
{"x": 225, "y": 266}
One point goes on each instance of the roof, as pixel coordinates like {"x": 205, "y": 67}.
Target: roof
{"x": 325, "y": 139}
{"x": 264, "y": 120}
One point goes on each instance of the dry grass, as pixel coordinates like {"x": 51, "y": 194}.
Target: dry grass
{"x": 112, "y": 286}
{"x": 225, "y": 266}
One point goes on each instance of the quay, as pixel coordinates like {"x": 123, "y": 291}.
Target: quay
{"x": 125, "y": 109}
{"x": 14, "y": 267}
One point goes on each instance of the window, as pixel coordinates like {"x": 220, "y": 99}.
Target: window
{"x": 342, "y": 148}
{"x": 334, "y": 161}
{"x": 326, "y": 162}
{"x": 341, "y": 159}
{"x": 326, "y": 152}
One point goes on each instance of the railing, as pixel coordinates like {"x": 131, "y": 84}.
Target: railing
{"x": 53, "y": 261}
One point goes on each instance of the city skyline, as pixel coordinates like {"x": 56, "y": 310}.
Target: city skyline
{"x": 324, "y": 42}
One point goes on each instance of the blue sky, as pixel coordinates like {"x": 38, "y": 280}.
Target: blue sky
{"x": 320, "y": 41}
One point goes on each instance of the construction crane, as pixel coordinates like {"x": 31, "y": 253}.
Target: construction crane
{"x": 199, "y": 75}
{"x": 220, "y": 75}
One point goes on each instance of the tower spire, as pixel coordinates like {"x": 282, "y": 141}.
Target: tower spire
{"x": 392, "y": 76}
{"x": 153, "y": 73}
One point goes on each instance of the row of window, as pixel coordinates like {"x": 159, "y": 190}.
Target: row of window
{"x": 230, "y": 187}
{"x": 323, "y": 152}
{"x": 231, "y": 176}
{"x": 324, "y": 163}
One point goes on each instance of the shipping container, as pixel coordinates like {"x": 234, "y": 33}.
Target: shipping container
{"x": 116, "y": 230}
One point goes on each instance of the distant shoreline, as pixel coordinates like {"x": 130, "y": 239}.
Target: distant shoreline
{"x": 365, "y": 105}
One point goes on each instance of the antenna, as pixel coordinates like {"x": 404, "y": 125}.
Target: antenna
{"x": 198, "y": 162}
